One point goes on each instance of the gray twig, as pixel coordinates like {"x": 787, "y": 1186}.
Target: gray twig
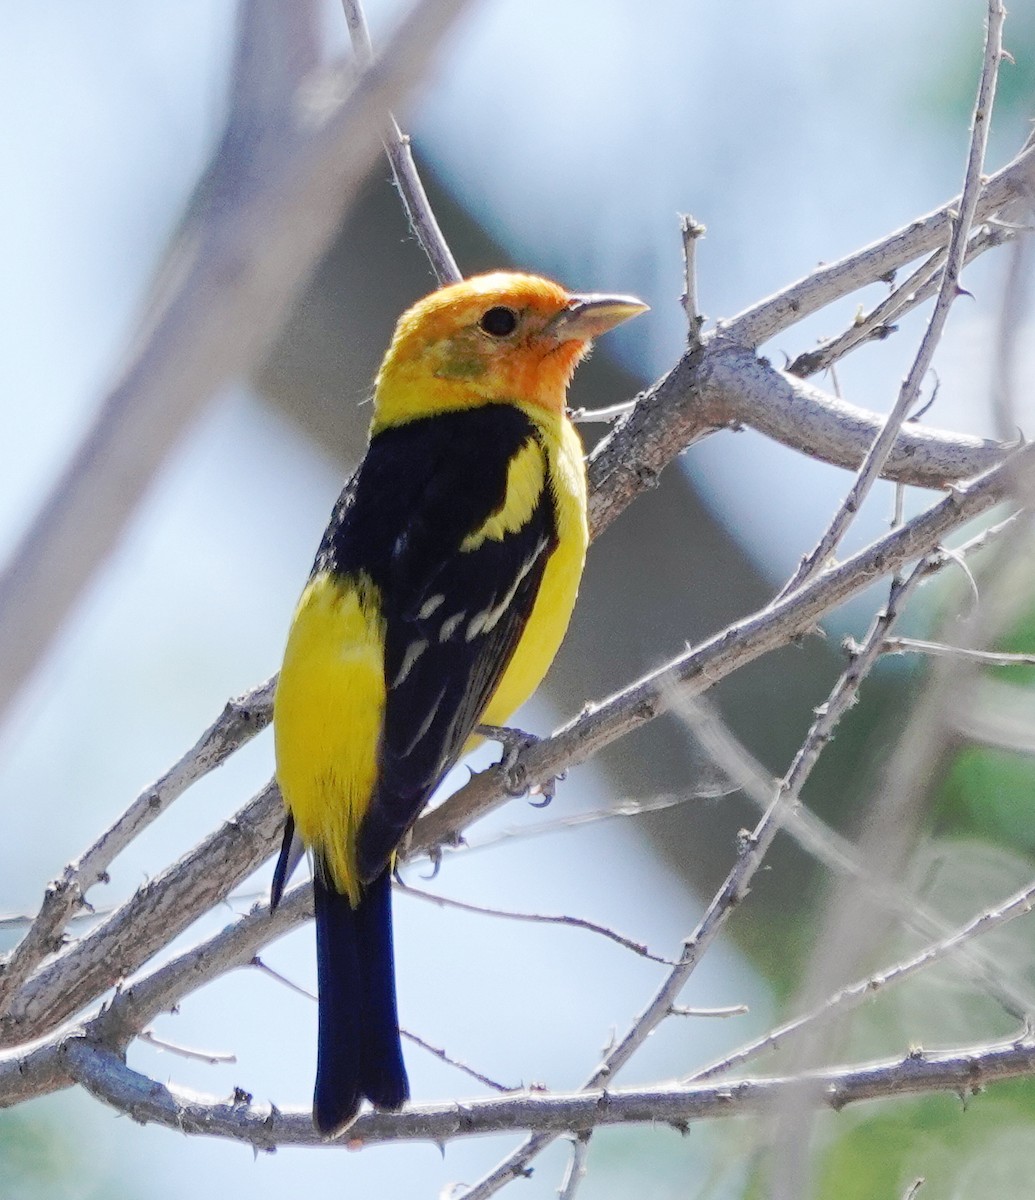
{"x": 448, "y": 1059}
{"x": 414, "y": 198}
{"x": 852, "y": 996}
{"x": 538, "y": 919}
{"x": 692, "y": 232}
{"x": 575, "y": 1172}
{"x": 948, "y": 292}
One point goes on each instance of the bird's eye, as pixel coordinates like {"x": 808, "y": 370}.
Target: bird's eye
{"x": 498, "y": 321}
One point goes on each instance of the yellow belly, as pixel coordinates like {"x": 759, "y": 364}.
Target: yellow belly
{"x": 556, "y": 600}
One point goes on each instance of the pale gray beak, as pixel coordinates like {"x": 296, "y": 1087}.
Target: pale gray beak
{"x": 589, "y": 315}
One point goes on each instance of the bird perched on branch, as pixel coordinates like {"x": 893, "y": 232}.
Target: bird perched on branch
{"x": 440, "y": 594}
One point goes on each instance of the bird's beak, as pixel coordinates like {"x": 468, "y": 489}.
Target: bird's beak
{"x": 588, "y": 316}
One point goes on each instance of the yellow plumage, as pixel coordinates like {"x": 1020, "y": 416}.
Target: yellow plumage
{"x": 553, "y": 607}
{"x": 330, "y": 704}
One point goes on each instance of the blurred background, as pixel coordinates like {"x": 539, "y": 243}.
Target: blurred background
{"x": 564, "y": 139}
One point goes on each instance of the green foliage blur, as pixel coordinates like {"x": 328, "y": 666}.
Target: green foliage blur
{"x": 41, "y": 1159}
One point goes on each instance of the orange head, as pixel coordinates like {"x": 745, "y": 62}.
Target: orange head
{"x": 497, "y": 337}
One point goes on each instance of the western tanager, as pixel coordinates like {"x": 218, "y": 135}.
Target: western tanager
{"x": 440, "y": 593}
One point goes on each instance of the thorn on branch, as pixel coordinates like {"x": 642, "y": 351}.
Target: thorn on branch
{"x": 746, "y": 842}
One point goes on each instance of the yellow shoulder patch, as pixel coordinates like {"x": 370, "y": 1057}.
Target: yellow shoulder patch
{"x": 526, "y": 478}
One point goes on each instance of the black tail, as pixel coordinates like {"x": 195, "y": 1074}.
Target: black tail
{"x": 359, "y": 1049}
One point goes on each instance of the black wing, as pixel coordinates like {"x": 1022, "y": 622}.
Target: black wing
{"x": 453, "y": 615}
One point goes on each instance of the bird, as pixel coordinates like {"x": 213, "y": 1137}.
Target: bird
{"x": 440, "y": 593}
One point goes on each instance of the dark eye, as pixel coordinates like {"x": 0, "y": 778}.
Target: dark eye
{"x": 498, "y": 321}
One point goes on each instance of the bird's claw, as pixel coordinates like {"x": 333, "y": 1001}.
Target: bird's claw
{"x": 514, "y": 743}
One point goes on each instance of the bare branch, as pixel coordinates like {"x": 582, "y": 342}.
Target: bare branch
{"x": 692, "y": 232}
{"x": 1010, "y": 185}
{"x": 918, "y": 288}
{"x": 991, "y": 658}
{"x": 104, "y": 1074}
{"x": 26, "y": 1074}
{"x": 160, "y": 910}
{"x": 626, "y": 806}
{"x": 876, "y": 324}
{"x": 948, "y": 291}
{"x": 848, "y": 998}
{"x": 415, "y": 201}
{"x": 730, "y": 1010}
{"x": 538, "y": 919}
{"x": 697, "y": 670}
{"x": 212, "y": 1058}
{"x": 279, "y": 977}
{"x": 575, "y": 1171}
{"x": 725, "y": 385}
{"x": 241, "y": 719}
{"x": 600, "y": 416}
{"x": 442, "y": 1056}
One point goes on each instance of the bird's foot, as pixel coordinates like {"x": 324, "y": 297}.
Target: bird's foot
{"x": 514, "y": 743}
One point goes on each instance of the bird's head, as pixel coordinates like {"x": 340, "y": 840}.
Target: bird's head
{"x": 501, "y": 337}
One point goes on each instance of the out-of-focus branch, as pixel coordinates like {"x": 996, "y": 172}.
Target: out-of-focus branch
{"x": 231, "y": 278}
{"x": 838, "y": 854}
{"x": 855, "y": 994}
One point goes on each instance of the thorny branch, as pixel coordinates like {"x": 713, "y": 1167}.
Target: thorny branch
{"x": 105, "y": 1075}
{"x": 855, "y": 994}
{"x": 419, "y": 213}
{"x": 948, "y": 291}
{"x": 751, "y": 853}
